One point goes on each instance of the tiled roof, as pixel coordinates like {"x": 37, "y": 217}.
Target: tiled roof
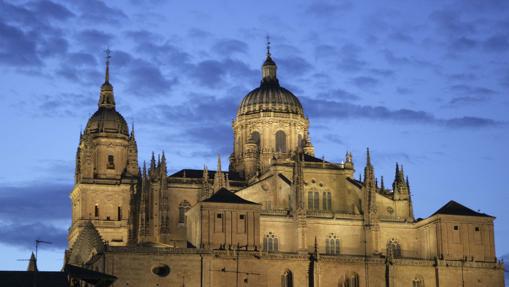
{"x": 225, "y": 196}
{"x": 454, "y": 208}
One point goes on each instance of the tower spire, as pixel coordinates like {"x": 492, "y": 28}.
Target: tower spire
{"x": 268, "y": 46}
{"x": 108, "y": 57}
{"x": 106, "y": 99}
{"x": 269, "y": 67}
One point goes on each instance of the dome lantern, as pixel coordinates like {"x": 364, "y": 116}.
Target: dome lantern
{"x": 106, "y": 99}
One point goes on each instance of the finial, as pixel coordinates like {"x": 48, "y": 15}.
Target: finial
{"x": 368, "y": 157}
{"x": 268, "y": 46}
{"x": 108, "y": 57}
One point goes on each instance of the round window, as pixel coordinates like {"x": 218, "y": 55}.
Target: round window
{"x": 161, "y": 270}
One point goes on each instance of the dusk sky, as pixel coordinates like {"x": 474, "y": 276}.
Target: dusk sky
{"x": 421, "y": 83}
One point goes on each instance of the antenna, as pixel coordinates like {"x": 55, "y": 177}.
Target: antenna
{"x": 37, "y": 242}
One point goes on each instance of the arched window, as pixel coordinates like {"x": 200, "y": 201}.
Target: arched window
{"x": 350, "y": 279}
{"x": 332, "y": 244}
{"x": 393, "y": 249}
{"x": 280, "y": 141}
{"x": 271, "y": 242}
{"x": 287, "y": 279}
{"x": 96, "y": 211}
{"x": 327, "y": 200}
{"x": 255, "y": 136}
{"x": 183, "y": 207}
{"x": 418, "y": 281}
{"x": 313, "y": 200}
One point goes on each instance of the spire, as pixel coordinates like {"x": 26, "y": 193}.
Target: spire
{"x": 369, "y": 189}
{"x": 32, "y": 263}
{"x": 107, "y": 74}
{"x": 163, "y": 165}
{"x": 205, "y": 191}
{"x": 269, "y": 67}
{"x": 399, "y": 186}
{"x": 106, "y": 99}
{"x": 219, "y": 178}
{"x": 152, "y": 168}
{"x": 382, "y": 186}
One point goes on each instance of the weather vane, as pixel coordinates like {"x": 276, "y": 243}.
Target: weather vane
{"x": 268, "y": 45}
{"x": 108, "y": 55}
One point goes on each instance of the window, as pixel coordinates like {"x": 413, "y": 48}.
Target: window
{"x": 280, "y": 141}
{"x": 119, "y": 213}
{"x": 332, "y": 245}
{"x": 349, "y": 280}
{"x": 241, "y": 224}
{"x": 314, "y": 200}
{"x": 456, "y": 227}
{"x": 393, "y": 249}
{"x": 111, "y": 162}
{"x": 477, "y": 228}
{"x": 255, "y": 136}
{"x": 183, "y": 207}
{"x": 219, "y": 216}
{"x": 287, "y": 279}
{"x": 270, "y": 242}
{"x": 418, "y": 282}
{"x": 327, "y": 201}
{"x": 96, "y": 211}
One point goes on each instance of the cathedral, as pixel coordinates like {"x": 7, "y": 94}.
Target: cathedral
{"x": 277, "y": 216}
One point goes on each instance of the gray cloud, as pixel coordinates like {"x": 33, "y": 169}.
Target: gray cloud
{"x": 339, "y": 95}
{"x": 323, "y": 109}
{"x": 227, "y": 47}
{"x": 365, "y": 82}
{"x": 95, "y": 11}
{"x": 326, "y": 9}
{"x": 17, "y": 48}
{"x": 25, "y": 234}
{"x": 41, "y": 201}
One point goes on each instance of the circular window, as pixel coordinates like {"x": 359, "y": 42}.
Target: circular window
{"x": 161, "y": 270}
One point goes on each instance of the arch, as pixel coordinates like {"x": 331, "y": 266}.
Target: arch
{"x": 418, "y": 281}
{"x": 332, "y": 244}
{"x": 184, "y": 206}
{"x": 393, "y": 248}
{"x": 280, "y": 141}
{"x": 287, "y": 279}
{"x": 349, "y": 279}
{"x": 256, "y": 137}
{"x": 271, "y": 242}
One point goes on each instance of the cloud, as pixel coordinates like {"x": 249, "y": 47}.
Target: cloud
{"x": 95, "y": 11}
{"x": 451, "y": 23}
{"x": 470, "y": 94}
{"x": 17, "y": 48}
{"x": 227, "y": 47}
{"x": 147, "y": 79}
{"x": 33, "y": 202}
{"x": 215, "y": 73}
{"x": 349, "y": 58}
{"x": 325, "y": 109}
{"x": 497, "y": 43}
{"x": 339, "y": 95}
{"x": 94, "y": 40}
{"x": 365, "y": 82}
{"x": 25, "y": 234}
{"x": 294, "y": 66}
{"x": 327, "y": 9}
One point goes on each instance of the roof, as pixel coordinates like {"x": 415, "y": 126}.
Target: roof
{"x": 454, "y": 208}
{"x": 225, "y": 196}
{"x": 198, "y": 173}
{"x": 55, "y": 278}
{"x": 309, "y": 158}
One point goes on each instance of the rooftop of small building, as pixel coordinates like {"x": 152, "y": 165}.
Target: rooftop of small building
{"x": 455, "y": 208}
{"x": 223, "y": 195}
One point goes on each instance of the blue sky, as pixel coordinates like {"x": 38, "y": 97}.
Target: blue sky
{"x": 422, "y": 83}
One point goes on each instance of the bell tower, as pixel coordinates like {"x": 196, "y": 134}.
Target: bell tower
{"x": 106, "y": 172}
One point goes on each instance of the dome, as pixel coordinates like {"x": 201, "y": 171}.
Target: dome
{"x": 107, "y": 120}
{"x": 270, "y": 97}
